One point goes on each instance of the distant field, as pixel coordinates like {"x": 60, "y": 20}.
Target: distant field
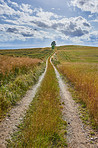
{"x": 80, "y": 65}
{"x": 40, "y": 53}
{"x": 78, "y": 54}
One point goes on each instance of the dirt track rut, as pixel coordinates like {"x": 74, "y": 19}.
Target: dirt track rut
{"x": 9, "y": 124}
{"x": 77, "y": 136}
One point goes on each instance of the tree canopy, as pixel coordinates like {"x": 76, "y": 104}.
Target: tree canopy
{"x": 53, "y": 44}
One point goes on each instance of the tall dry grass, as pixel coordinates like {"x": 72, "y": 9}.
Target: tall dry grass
{"x": 8, "y": 64}
{"x": 16, "y": 77}
{"x": 11, "y": 67}
{"x": 84, "y": 76}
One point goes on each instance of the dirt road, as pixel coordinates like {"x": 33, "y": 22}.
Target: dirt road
{"x": 77, "y": 136}
{"x": 9, "y": 124}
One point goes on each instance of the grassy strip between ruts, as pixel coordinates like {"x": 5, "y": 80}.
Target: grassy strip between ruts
{"x": 43, "y": 125}
{"x": 15, "y": 90}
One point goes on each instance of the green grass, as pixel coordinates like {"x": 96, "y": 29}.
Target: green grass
{"x": 40, "y": 53}
{"x": 15, "y": 90}
{"x": 82, "y": 54}
{"x": 75, "y": 47}
{"x": 43, "y": 125}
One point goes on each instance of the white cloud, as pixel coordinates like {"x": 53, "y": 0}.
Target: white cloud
{"x": 39, "y": 24}
{"x": 86, "y": 5}
{"x": 13, "y": 3}
{"x": 45, "y": 15}
{"x": 90, "y": 16}
{"x": 26, "y": 8}
{"x": 96, "y": 21}
{"x": 10, "y": 11}
{"x": 94, "y": 35}
{"x": 13, "y": 32}
{"x": 5, "y": 9}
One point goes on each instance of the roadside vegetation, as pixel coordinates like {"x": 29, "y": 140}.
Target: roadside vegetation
{"x": 43, "y": 125}
{"x": 80, "y": 66}
{"x": 11, "y": 67}
{"x": 17, "y": 75}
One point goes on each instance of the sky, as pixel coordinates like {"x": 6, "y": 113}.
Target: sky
{"x": 36, "y": 23}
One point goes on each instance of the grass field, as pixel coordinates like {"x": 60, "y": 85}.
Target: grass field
{"x": 80, "y": 65}
{"x": 18, "y": 72}
{"x": 40, "y": 53}
{"x": 43, "y": 125}
{"x": 78, "y": 54}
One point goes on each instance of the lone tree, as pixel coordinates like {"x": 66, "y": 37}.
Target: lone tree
{"x": 53, "y": 44}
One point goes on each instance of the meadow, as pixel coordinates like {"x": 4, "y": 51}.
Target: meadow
{"x": 18, "y": 72}
{"x": 40, "y": 53}
{"x": 79, "y": 64}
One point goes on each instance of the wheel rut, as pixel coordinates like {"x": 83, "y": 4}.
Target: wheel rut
{"x": 10, "y": 123}
{"x": 77, "y": 135}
